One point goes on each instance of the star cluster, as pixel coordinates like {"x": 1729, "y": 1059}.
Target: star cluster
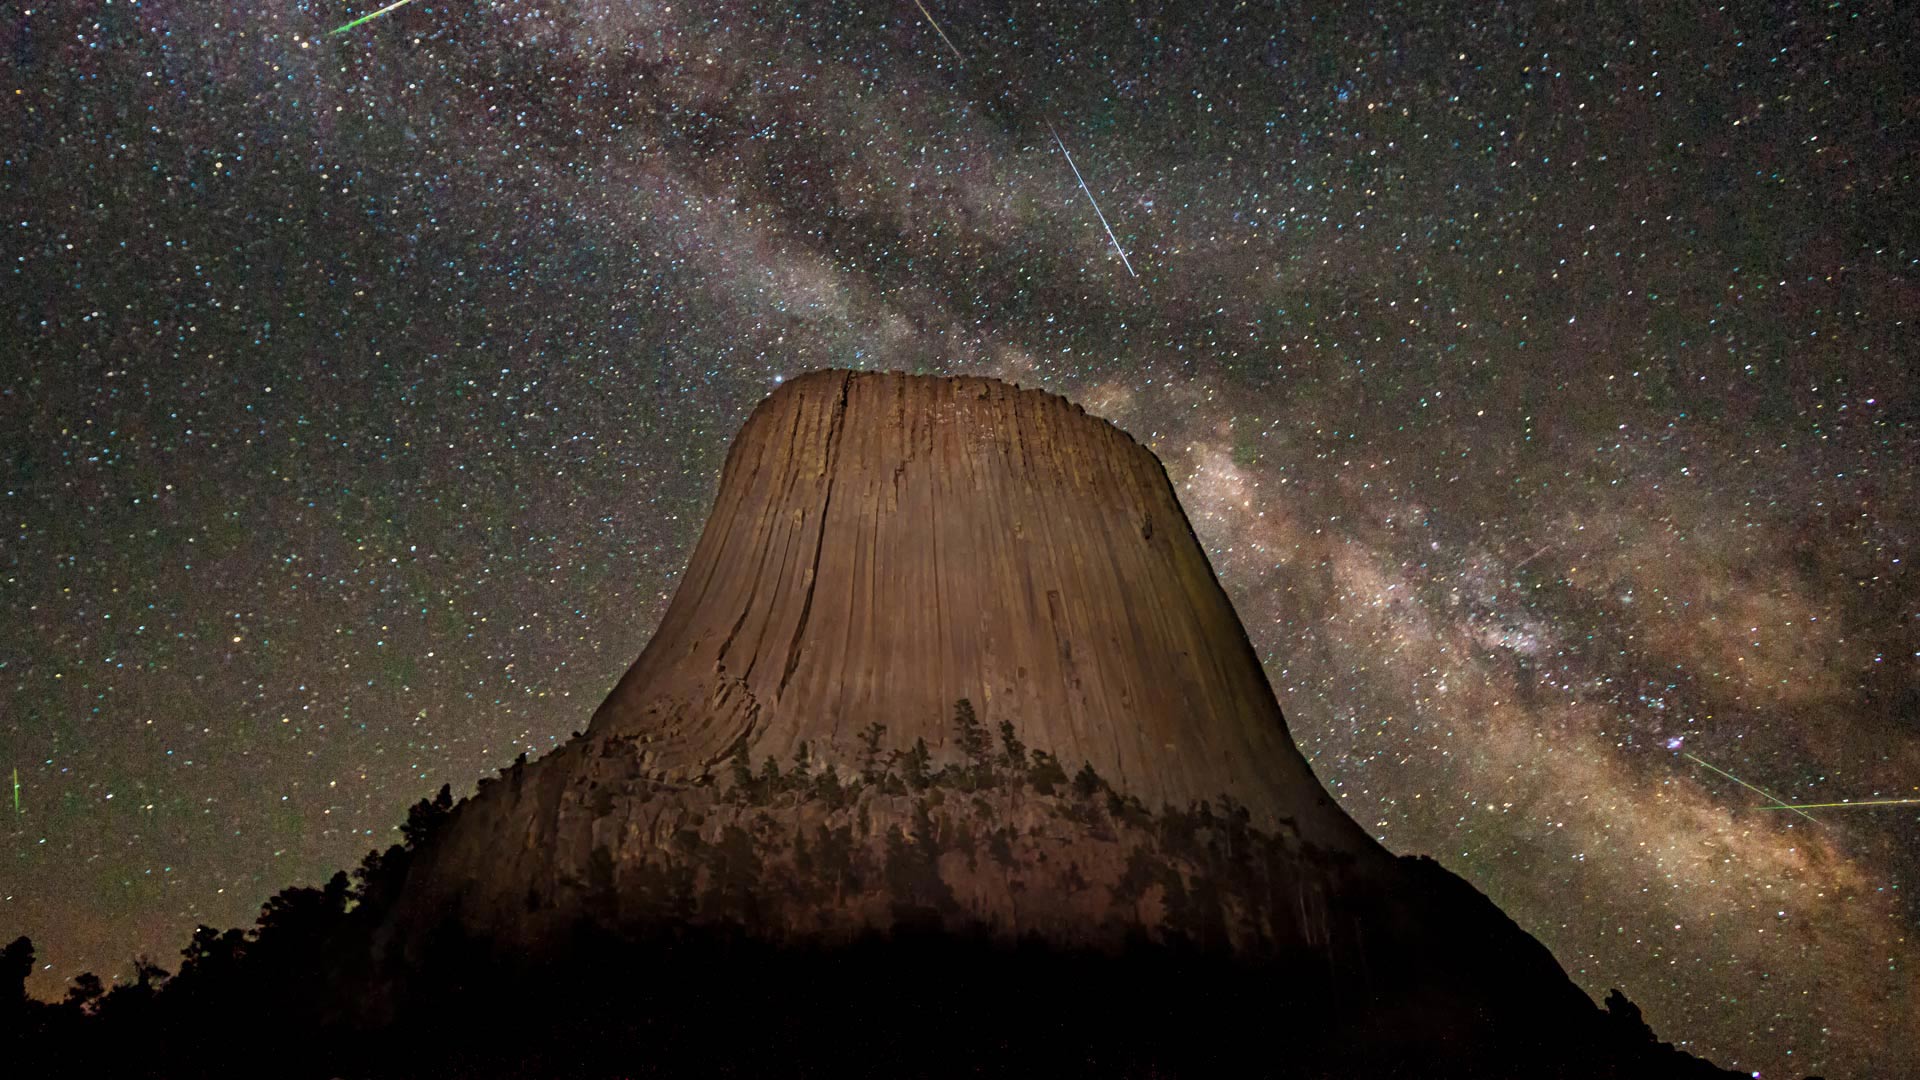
{"x": 1539, "y": 377}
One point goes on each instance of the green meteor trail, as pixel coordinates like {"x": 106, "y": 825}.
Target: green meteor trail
{"x": 1776, "y": 800}
{"x": 367, "y": 18}
{"x": 16, "y": 789}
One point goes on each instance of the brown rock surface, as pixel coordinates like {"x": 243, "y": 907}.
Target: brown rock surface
{"x": 1079, "y": 871}
{"x": 881, "y": 547}
{"x": 884, "y": 544}
{"x": 884, "y": 547}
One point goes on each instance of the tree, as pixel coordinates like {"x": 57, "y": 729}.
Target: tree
{"x": 377, "y": 878}
{"x": 870, "y": 764}
{"x": 915, "y": 764}
{"x": 1128, "y": 808}
{"x": 1014, "y": 754}
{"x": 424, "y": 819}
{"x": 1086, "y": 782}
{"x": 128, "y": 1001}
{"x": 1624, "y": 1016}
{"x": 1144, "y": 869}
{"x": 744, "y": 788}
{"x": 149, "y": 977}
{"x": 834, "y": 856}
{"x": 827, "y": 787}
{"x": 336, "y": 892}
{"x": 16, "y": 963}
{"x": 1046, "y": 773}
{"x": 85, "y": 992}
{"x": 736, "y": 873}
{"x": 295, "y": 914}
{"x": 211, "y": 956}
{"x": 971, "y": 736}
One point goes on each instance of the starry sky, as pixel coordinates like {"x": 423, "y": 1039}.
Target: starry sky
{"x": 1539, "y": 376}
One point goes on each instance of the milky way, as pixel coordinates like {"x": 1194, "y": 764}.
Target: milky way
{"x": 1540, "y": 381}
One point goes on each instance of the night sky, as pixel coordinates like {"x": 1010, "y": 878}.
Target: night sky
{"x": 1542, "y": 383}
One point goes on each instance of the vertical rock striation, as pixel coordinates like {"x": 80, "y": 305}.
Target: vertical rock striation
{"x": 885, "y": 544}
{"x": 881, "y": 547}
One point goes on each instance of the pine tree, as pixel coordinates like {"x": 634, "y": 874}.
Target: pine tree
{"x": 16, "y": 963}
{"x": 85, "y": 992}
{"x": 1045, "y": 773}
{"x": 377, "y": 878}
{"x": 1086, "y": 782}
{"x": 970, "y": 735}
{"x": 916, "y": 764}
{"x": 871, "y": 766}
{"x": 745, "y": 790}
{"x": 1014, "y": 752}
{"x": 1624, "y": 1017}
{"x": 828, "y": 789}
{"x": 424, "y": 818}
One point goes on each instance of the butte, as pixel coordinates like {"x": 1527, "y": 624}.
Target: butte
{"x": 949, "y": 664}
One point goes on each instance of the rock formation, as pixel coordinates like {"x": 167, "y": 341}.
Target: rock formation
{"x": 949, "y": 659}
{"x": 883, "y": 545}
{"x": 949, "y": 758}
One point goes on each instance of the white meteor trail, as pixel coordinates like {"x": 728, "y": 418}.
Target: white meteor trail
{"x": 1096, "y": 206}
{"x": 1843, "y": 805}
{"x": 936, "y": 29}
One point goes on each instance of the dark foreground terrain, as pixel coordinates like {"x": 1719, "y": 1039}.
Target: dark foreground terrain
{"x": 697, "y": 963}
{"x": 915, "y": 1005}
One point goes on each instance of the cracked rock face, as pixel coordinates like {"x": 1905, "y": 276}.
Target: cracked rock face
{"x": 789, "y": 759}
{"x": 881, "y": 547}
{"x": 884, "y": 544}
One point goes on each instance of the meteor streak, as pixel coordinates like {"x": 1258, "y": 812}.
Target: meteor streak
{"x": 368, "y": 18}
{"x": 1779, "y": 803}
{"x": 16, "y": 789}
{"x": 937, "y": 30}
{"x": 1842, "y": 805}
{"x": 1103, "y": 217}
